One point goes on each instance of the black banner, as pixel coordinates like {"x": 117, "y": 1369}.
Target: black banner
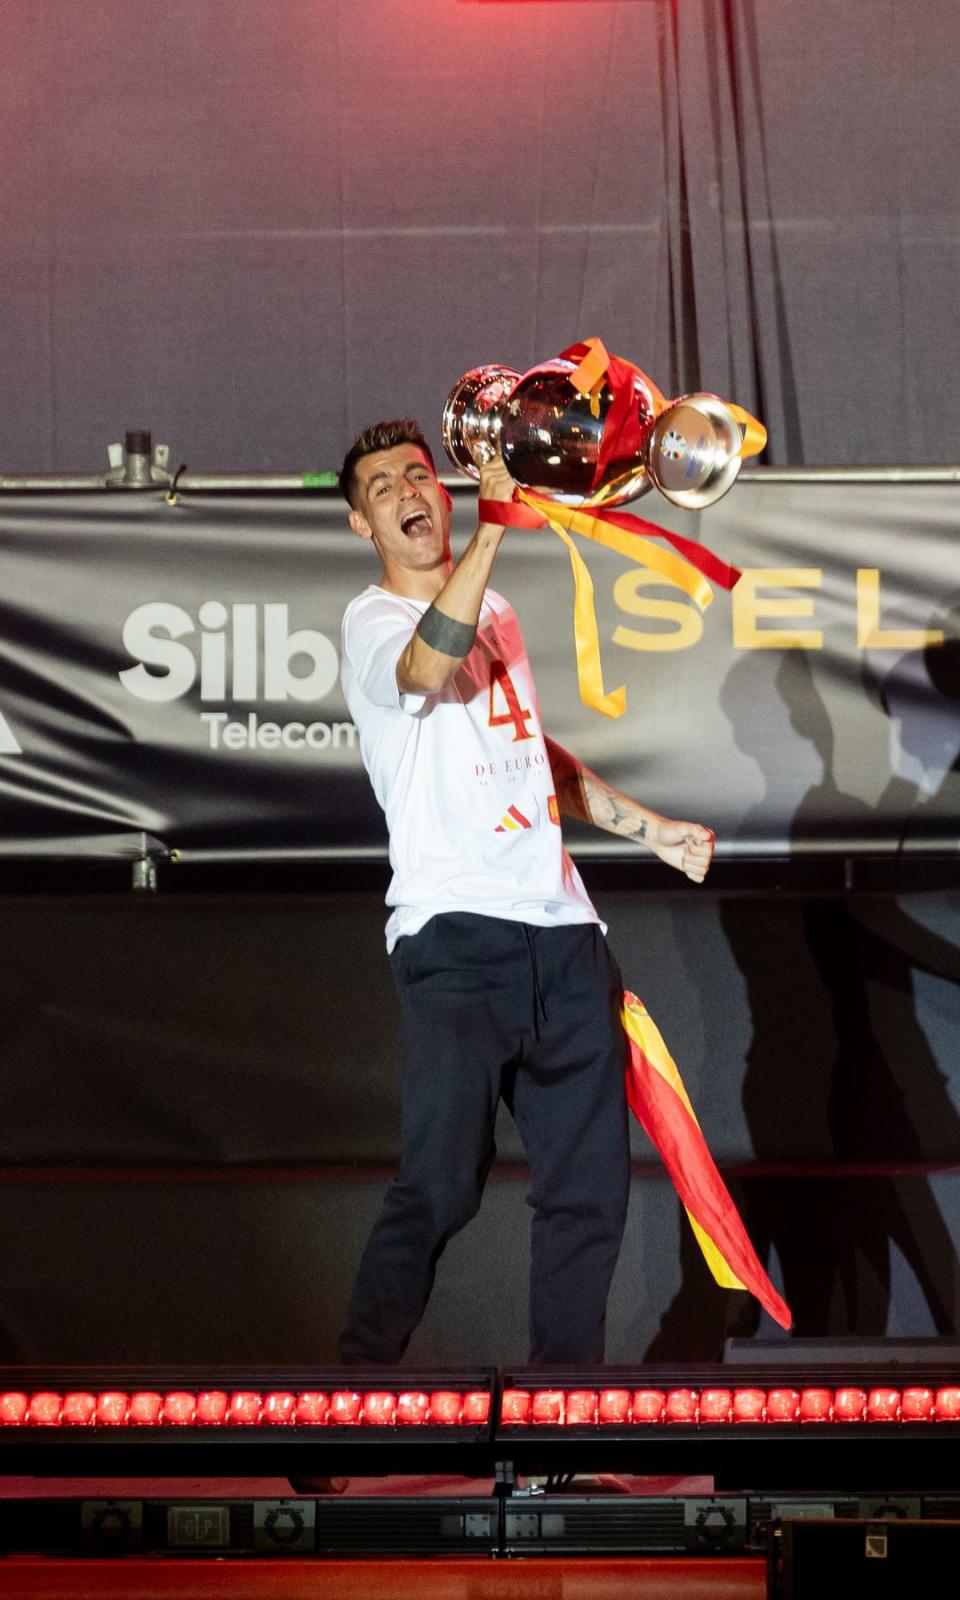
{"x": 169, "y": 672}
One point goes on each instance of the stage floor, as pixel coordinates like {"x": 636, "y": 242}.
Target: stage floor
{"x": 144, "y": 1578}
{"x": 437, "y": 1485}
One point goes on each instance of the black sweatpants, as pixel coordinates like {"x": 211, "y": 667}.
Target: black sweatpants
{"x": 494, "y": 1009}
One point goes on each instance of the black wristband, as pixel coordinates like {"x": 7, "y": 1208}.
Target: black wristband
{"x": 442, "y": 633}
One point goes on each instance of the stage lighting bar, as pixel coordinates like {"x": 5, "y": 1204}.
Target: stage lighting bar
{"x": 784, "y": 1427}
{"x": 797, "y": 1427}
{"x": 244, "y": 1421}
{"x": 342, "y": 1407}
{"x": 619, "y": 1408}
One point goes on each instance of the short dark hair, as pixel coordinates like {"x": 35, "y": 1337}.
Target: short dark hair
{"x": 379, "y": 436}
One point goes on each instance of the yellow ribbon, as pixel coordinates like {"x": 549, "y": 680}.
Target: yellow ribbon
{"x": 638, "y": 550}
{"x": 755, "y": 434}
{"x": 586, "y": 636}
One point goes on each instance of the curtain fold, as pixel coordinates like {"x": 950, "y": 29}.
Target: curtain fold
{"x": 725, "y": 328}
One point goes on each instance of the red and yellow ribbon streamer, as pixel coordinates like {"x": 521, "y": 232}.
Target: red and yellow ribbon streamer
{"x": 659, "y": 1101}
{"x": 630, "y": 537}
{"x": 687, "y": 565}
{"x": 531, "y": 511}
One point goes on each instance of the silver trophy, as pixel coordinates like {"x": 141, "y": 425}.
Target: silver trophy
{"x": 550, "y": 435}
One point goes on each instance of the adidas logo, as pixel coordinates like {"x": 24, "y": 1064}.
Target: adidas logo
{"x": 512, "y": 820}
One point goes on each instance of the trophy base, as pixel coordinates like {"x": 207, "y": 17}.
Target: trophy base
{"x": 693, "y": 455}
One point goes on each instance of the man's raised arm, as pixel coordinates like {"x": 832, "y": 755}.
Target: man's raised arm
{"x": 448, "y": 627}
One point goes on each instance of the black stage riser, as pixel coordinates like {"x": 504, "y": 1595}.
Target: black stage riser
{"x": 524, "y": 1525}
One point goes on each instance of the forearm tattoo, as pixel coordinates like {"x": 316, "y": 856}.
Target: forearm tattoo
{"x": 581, "y": 794}
{"x": 443, "y": 633}
{"x": 613, "y": 811}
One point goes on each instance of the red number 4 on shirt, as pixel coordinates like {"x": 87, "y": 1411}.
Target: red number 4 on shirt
{"x": 515, "y": 713}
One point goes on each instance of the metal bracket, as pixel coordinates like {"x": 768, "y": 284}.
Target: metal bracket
{"x": 145, "y": 874}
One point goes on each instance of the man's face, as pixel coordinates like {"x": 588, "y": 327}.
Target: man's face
{"x": 403, "y": 509}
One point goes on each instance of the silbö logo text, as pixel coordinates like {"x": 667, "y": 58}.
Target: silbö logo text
{"x": 239, "y": 653}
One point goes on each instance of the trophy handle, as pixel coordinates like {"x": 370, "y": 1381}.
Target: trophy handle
{"x": 694, "y": 450}
{"x": 472, "y": 416}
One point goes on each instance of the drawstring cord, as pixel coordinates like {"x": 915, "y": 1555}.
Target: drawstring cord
{"x": 539, "y": 1009}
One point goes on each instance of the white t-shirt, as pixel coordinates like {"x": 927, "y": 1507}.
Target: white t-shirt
{"x": 463, "y": 776}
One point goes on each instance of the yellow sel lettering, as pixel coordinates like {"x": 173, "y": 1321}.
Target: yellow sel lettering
{"x": 749, "y": 606}
{"x": 688, "y": 623}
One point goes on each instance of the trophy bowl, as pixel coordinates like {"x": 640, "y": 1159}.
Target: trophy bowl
{"x": 550, "y": 435}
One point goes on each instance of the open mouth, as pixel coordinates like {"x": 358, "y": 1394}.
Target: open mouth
{"x": 415, "y": 524}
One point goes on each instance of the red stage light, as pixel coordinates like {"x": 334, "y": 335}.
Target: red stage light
{"x": 476, "y": 1408}
{"x": 783, "y": 1405}
{"x": 212, "y": 1407}
{"x": 344, "y": 1408}
{"x": 179, "y": 1408}
{"x": 581, "y": 1407}
{"x": 44, "y": 1409}
{"x": 515, "y": 1406}
{"x": 111, "y": 1409}
{"x": 917, "y": 1405}
{"x": 548, "y": 1405}
{"x": 312, "y": 1407}
{"x": 244, "y": 1408}
{"x": 613, "y": 1405}
{"x": 716, "y": 1405}
{"x": 145, "y": 1408}
{"x": 13, "y": 1409}
{"x": 379, "y": 1408}
{"x": 883, "y": 1405}
{"x": 947, "y": 1405}
{"x": 749, "y": 1405}
{"x": 445, "y": 1407}
{"x": 78, "y": 1410}
{"x": 648, "y": 1405}
{"x": 816, "y": 1405}
{"x": 412, "y": 1407}
{"x": 849, "y": 1405}
{"x": 279, "y": 1408}
{"x": 681, "y": 1405}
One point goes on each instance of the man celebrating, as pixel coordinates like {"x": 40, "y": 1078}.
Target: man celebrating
{"x": 507, "y": 988}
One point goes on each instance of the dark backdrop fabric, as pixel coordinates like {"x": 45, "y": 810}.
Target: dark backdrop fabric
{"x": 812, "y": 711}
{"x": 174, "y": 1029}
{"x": 254, "y": 230}
{"x": 199, "y": 1107}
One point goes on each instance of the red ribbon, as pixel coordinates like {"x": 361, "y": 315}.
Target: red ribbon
{"x": 697, "y": 554}
{"x": 509, "y": 514}
{"x": 513, "y": 514}
{"x": 622, "y": 438}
